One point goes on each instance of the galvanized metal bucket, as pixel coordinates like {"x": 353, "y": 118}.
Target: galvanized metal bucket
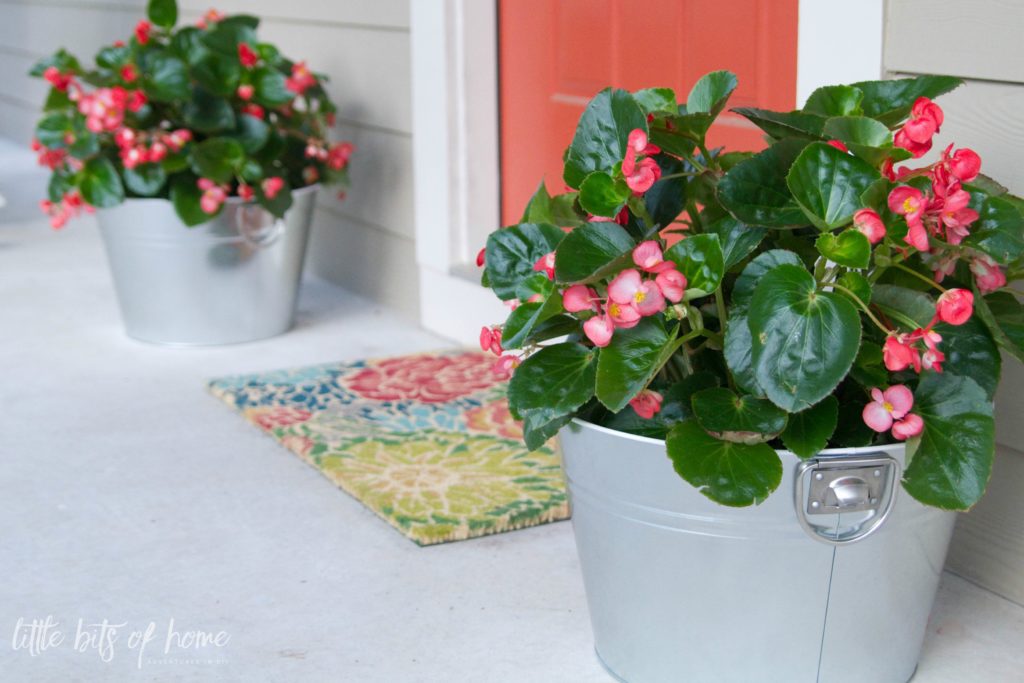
{"x": 233, "y": 279}
{"x": 830, "y": 580}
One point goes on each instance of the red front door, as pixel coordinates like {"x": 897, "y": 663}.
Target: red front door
{"x": 556, "y": 54}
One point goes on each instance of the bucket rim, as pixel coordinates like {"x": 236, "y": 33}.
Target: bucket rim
{"x": 833, "y": 452}
{"x": 230, "y": 201}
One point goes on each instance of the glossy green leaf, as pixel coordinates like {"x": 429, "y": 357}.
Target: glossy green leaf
{"x": 890, "y": 101}
{"x": 755, "y": 190}
{"x": 741, "y": 419}
{"x": 270, "y": 88}
{"x": 188, "y": 45}
{"x": 680, "y": 134}
{"x": 738, "y": 240}
{"x": 849, "y": 248}
{"x": 218, "y": 74}
{"x": 100, "y": 184}
{"x": 208, "y": 113}
{"x": 737, "y": 349}
{"x": 522, "y": 322}
{"x": 999, "y": 230}
{"x": 743, "y": 288}
{"x": 225, "y": 36}
{"x": 971, "y": 352}
{"x": 540, "y": 425}
{"x": 538, "y": 209}
{"x": 602, "y": 195}
{"x": 952, "y": 462}
{"x": 163, "y": 13}
{"x": 592, "y": 251}
{"x": 827, "y": 184}
{"x": 52, "y": 128}
{"x": 627, "y": 365}
{"x": 701, "y": 260}
{"x": 252, "y": 133}
{"x": 654, "y": 100}
{"x": 1003, "y": 314}
{"x": 166, "y": 77}
{"x": 865, "y": 137}
{"x": 558, "y": 378}
{"x": 217, "y": 159}
{"x": 868, "y": 369}
{"x": 834, "y": 100}
{"x": 113, "y": 56}
{"x": 729, "y": 473}
{"x": 145, "y": 180}
{"x": 782, "y": 125}
{"x": 858, "y": 284}
{"x": 803, "y": 341}
{"x": 601, "y": 135}
{"x": 185, "y": 198}
{"x": 851, "y": 432}
{"x": 809, "y": 430}
{"x": 512, "y": 252}
{"x": 666, "y": 198}
{"x": 711, "y": 93}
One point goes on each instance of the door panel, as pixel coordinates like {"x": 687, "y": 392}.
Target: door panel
{"x": 556, "y": 54}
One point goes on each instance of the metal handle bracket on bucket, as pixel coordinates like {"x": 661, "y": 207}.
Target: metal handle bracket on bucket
{"x": 844, "y": 500}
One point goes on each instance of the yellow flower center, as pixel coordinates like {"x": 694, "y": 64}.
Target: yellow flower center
{"x": 888, "y": 406}
{"x": 614, "y": 310}
{"x": 639, "y": 296}
{"x": 908, "y": 205}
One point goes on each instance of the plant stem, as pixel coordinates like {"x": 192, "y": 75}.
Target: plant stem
{"x": 918, "y": 275}
{"x": 863, "y": 307}
{"x": 681, "y": 174}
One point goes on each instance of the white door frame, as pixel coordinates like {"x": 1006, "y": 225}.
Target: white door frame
{"x": 456, "y": 141}
{"x": 455, "y": 160}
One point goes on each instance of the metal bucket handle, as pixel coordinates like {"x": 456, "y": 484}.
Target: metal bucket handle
{"x": 252, "y": 224}
{"x": 828, "y": 488}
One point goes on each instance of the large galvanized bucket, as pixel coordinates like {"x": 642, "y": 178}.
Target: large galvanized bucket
{"x": 830, "y": 580}
{"x": 233, "y": 279}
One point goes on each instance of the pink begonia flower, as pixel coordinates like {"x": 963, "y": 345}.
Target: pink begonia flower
{"x": 481, "y": 257}
{"x": 310, "y": 175}
{"x": 129, "y": 73}
{"x": 910, "y": 425}
{"x": 245, "y": 192}
{"x": 839, "y": 145}
{"x": 899, "y": 354}
{"x": 490, "y": 340}
{"x": 649, "y": 257}
{"x": 916, "y": 149}
{"x": 54, "y": 77}
{"x": 338, "y": 155}
{"x": 964, "y": 165}
{"x": 628, "y": 288}
{"x": 157, "y": 152}
{"x": 599, "y": 330}
{"x": 245, "y": 91}
{"x": 647, "y": 403}
{"x": 136, "y": 101}
{"x": 624, "y": 316}
{"x": 955, "y": 306}
{"x": 504, "y": 366}
{"x": 213, "y": 195}
{"x": 917, "y": 236}
{"x": 546, "y": 264}
{"x": 142, "y": 30}
{"x": 253, "y": 109}
{"x": 672, "y": 284}
{"x": 916, "y": 134}
{"x": 643, "y": 176}
{"x": 579, "y": 298}
{"x": 271, "y": 186}
{"x": 887, "y": 406}
{"x": 956, "y": 216}
{"x": 869, "y": 223}
{"x": 932, "y": 358}
{"x": 301, "y": 79}
{"x": 907, "y": 201}
{"x": 987, "y": 274}
{"x": 212, "y": 16}
{"x": 247, "y": 56}
{"x": 178, "y": 139}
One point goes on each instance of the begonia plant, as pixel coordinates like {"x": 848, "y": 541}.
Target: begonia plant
{"x": 832, "y": 290}
{"x": 193, "y": 114}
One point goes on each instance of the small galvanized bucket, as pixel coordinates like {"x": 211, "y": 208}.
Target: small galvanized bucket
{"x": 233, "y": 279}
{"x": 830, "y": 580}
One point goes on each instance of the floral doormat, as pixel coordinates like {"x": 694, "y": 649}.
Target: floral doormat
{"x": 425, "y": 441}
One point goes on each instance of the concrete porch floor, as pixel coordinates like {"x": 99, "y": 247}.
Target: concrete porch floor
{"x": 129, "y": 494}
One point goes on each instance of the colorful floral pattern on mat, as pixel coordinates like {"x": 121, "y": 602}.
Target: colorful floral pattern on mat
{"x": 425, "y": 441}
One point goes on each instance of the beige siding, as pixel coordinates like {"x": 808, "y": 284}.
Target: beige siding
{"x": 364, "y": 243}
{"x": 981, "y": 42}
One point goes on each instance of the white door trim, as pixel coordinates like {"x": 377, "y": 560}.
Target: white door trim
{"x": 455, "y": 159}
